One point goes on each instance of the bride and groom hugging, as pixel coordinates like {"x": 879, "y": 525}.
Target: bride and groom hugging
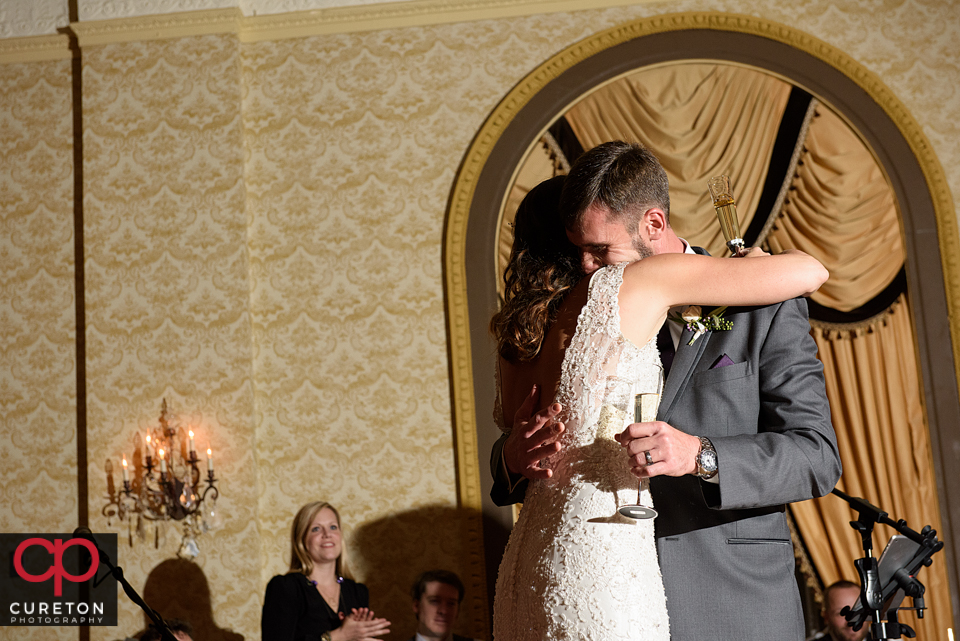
{"x": 718, "y": 559}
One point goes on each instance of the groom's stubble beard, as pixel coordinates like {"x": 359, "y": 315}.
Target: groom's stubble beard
{"x": 643, "y": 249}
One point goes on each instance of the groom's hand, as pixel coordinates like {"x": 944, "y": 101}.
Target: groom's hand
{"x": 672, "y": 452}
{"x": 532, "y": 438}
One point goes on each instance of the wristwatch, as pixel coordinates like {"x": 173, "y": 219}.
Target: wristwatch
{"x": 706, "y": 459}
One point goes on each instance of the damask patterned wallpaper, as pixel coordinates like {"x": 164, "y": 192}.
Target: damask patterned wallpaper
{"x": 167, "y": 285}
{"x": 38, "y": 446}
{"x": 263, "y": 237}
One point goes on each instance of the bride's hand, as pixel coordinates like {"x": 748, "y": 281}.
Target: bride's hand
{"x": 532, "y": 438}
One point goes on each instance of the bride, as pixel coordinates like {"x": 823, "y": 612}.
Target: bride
{"x": 573, "y": 569}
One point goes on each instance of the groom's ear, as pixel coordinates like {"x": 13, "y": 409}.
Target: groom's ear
{"x": 654, "y": 223}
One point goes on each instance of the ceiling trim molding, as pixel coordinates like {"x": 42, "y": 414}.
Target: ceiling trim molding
{"x": 416, "y": 13}
{"x": 159, "y": 27}
{"x": 301, "y": 24}
{"x": 35, "y": 49}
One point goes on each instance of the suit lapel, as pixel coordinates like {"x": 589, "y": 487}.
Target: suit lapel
{"x": 684, "y": 362}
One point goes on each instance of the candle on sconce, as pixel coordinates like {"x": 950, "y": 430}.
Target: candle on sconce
{"x": 162, "y": 480}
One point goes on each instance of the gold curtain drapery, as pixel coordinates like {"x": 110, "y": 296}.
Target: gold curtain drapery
{"x": 841, "y": 209}
{"x": 875, "y": 398}
{"x": 701, "y": 120}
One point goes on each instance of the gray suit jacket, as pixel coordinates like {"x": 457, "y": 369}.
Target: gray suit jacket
{"x": 725, "y": 552}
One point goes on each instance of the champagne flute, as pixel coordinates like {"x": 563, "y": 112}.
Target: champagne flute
{"x": 613, "y": 411}
{"x": 645, "y": 406}
{"x": 726, "y": 206}
{"x": 614, "y": 408}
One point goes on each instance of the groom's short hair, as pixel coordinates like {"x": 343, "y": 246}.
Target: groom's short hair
{"x": 626, "y": 178}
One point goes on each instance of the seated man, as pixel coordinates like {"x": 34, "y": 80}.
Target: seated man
{"x": 181, "y": 630}
{"x": 437, "y": 595}
{"x": 835, "y": 597}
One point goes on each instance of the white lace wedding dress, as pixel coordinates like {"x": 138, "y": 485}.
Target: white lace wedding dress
{"x": 573, "y": 568}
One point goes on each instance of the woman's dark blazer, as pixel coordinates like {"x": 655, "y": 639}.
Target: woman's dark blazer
{"x": 293, "y": 609}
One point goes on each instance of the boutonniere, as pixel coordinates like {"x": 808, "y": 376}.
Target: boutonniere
{"x": 691, "y": 317}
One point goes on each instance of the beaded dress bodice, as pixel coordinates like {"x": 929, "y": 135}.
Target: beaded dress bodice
{"x": 574, "y": 568}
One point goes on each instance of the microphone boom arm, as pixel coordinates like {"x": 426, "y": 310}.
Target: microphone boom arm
{"x": 117, "y": 572}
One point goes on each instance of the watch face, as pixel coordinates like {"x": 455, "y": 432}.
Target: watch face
{"x": 708, "y": 461}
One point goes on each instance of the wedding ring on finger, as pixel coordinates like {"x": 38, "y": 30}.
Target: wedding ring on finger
{"x": 648, "y": 458}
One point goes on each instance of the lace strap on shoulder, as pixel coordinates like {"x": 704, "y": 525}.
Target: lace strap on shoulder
{"x": 604, "y": 295}
{"x": 595, "y": 344}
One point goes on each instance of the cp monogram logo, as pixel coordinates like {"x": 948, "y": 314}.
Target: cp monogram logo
{"x": 56, "y": 570}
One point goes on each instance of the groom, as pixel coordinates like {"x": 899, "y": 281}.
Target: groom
{"x": 743, "y": 426}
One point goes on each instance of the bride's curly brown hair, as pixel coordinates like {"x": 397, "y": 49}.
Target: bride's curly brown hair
{"x": 544, "y": 265}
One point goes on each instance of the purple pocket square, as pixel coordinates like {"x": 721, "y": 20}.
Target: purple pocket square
{"x": 723, "y": 361}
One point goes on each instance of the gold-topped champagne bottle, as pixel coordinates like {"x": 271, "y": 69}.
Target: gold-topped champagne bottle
{"x": 726, "y": 206}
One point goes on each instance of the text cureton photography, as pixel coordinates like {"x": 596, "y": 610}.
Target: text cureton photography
{"x": 57, "y": 580}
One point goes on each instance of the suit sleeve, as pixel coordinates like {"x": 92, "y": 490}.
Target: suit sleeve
{"x": 793, "y": 455}
{"x": 282, "y": 608}
{"x": 507, "y": 488}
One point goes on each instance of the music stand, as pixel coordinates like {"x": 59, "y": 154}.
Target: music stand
{"x": 884, "y": 586}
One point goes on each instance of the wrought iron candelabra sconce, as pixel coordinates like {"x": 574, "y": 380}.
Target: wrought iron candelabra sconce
{"x": 164, "y": 484}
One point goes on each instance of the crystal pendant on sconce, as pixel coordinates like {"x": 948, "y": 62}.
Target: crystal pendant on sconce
{"x": 188, "y": 498}
{"x": 212, "y": 516}
{"x": 188, "y": 548}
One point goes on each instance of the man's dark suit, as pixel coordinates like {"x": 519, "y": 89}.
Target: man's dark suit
{"x": 725, "y": 552}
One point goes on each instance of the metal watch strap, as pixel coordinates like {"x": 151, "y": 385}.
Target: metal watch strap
{"x": 706, "y": 445}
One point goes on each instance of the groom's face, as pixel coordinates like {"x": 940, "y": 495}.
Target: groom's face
{"x": 605, "y": 241}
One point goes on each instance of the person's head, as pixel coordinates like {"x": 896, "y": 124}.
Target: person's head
{"x": 543, "y": 266}
{"x": 181, "y": 630}
{"x": 615, "y": 205}
{"x": 835, "y": 597}
{"x": 316, "y": 538}
{"x": 437, "y": 595}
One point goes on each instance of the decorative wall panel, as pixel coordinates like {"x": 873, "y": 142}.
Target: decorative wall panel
{"x": 38, "y": 413}
{"x": 167, "y": 298}
{"x": 352, "y": 144}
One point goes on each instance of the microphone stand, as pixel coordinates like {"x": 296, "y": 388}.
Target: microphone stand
{"x": 158, "y": 623}
{"x": 903, "y": 583}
